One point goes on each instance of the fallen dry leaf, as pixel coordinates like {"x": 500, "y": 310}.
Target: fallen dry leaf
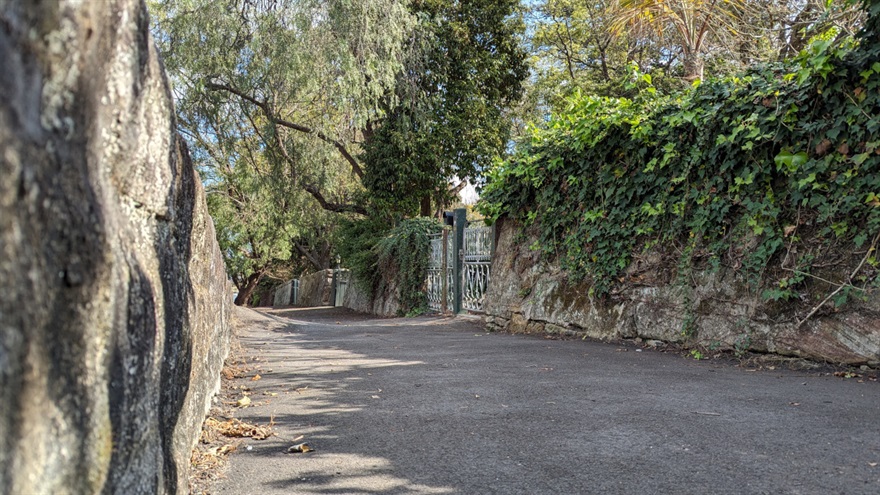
{"x": 222, "y": 449}
{"x": 847, "y": 374}
{"x": 300, "y": 448}
{"x": 235, "y": 428}
{"x": 244, "y": 401}
{"x": 256, "y": 377}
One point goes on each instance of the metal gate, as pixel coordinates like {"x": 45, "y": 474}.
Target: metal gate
{"x": 458, "y": 271}
{"x": 294, "y": 292}
{"x": 441, "y": 272}
{"x": 477, "y": 259}
{"x": 343, "y": 278}
{"x": 287, "y": 294}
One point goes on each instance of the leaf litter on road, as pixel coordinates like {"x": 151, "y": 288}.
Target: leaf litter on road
{"x": 235, "y": 428}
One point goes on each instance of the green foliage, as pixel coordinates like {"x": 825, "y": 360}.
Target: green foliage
{"x": 380, "y": 256}
{"x": 356, "y": 242}
{"x": 271, "y": 97}
{"x": 448, "y": 116}
{"x": 258, "y": 219}
{"x": 589, "y": 46}
{"x": 870, "y": 49}
{"x": 741, "y": 345}
{"x": 781, "y": 160}
{"x": 697, "y": 355}
{"x": 404, "y": 255}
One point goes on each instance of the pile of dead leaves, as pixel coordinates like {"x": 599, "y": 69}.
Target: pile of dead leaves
{"x": 220, "y": 437}
{"x": 221, "y": 433}
{"x": 235, "y": 428}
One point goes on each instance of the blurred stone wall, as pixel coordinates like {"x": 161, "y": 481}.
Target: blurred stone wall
{"x": 114, "y": 314}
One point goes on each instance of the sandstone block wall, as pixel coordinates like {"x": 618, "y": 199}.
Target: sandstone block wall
{"x": 282, "y": 295}
{"x": 718, "y": 309}
{"x": 386, "y": 303}
{"x": 114, "y": 314}
{"x": 315, "y": 288}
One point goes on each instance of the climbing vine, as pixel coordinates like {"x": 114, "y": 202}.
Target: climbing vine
{"x": 381, "y": 256}
{"x": 404, "y": 255}
{"x": 768, "y": 172}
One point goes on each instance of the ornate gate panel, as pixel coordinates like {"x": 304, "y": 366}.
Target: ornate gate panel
{"x": 437, "y": 268}
{"x": 477, "y": 258}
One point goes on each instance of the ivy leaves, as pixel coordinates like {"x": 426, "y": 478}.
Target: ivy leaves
{"x": 737, "y": 160}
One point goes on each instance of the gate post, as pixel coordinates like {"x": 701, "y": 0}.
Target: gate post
{"x": 444, "y": 272}
{"x": 459, "y": 223}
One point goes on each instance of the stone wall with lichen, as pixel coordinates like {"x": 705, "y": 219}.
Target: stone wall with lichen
{"x": 384, "y": 303}
{"x": 315, "y": 288}
{"x": 715, "y": 309}
{"x": 114, "y": 316}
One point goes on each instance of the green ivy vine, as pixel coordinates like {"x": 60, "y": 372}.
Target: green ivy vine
{"x": 403, "y": 256}
{"x": 766, "y": 172}
{"x": 381, "y": 256}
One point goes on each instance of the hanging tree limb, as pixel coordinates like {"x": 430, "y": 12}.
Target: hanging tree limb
{"x": 308, "y": 255}
{"x": 315, "y": 192}
{"x": 355, "y": 166}
{"x": 335, "y": 207}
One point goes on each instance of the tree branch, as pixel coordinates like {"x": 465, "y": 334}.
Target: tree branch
{"x": 335, "y": 207}
{"x": 355, "y": 166}
{"x": 457, "y": 188}
{"x": 846, "y": 283}
{"x": 315, "y": 192}
{"x": 308, "y": 255}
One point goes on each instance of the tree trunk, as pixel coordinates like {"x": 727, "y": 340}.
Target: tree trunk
{"x": 425, "y": 206}
{"x": 245, "y": 293}
{"x": 693, "y": 66}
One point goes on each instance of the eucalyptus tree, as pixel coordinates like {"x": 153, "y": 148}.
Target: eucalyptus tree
{"x": 273, "y": 96}
{"x": 297, "y": 73}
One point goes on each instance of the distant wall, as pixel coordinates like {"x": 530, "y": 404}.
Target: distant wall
{"x": 719, "y": 310}
{"x": 115, "y": 311}
{"x": 386, "y": 303}
{"x": 315, "y": 288}
{"x": 282, "y": 295}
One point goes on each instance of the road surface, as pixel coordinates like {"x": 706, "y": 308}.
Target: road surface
{"x": 439, "y": 406}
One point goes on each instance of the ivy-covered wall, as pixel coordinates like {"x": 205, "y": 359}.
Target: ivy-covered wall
{"x": 771, "y": 177}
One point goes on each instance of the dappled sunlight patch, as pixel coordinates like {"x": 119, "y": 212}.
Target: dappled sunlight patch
{"x": 354, "y": 473}
{"x": 337, "y": 361}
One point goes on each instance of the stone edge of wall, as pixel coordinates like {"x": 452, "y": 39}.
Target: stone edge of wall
{"x": 529, "y": 295}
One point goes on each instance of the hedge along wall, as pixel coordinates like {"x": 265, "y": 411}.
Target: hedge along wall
{"x": 775, "y": 174}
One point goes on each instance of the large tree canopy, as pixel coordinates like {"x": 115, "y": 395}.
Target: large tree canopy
{"x": 448, "y": 118}
{"x": 297, "y": 73}
{"x": 294, "y": 106}
{"x": 593, "y": 45}
{"x": 273, "y": 96}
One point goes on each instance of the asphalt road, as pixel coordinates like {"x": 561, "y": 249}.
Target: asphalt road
{"x": 434, "y": 405}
